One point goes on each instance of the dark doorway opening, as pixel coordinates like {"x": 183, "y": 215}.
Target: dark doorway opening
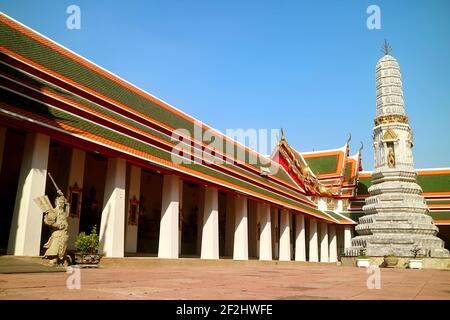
{"x": 93, "y": 192}
{"x": 9, "y": 180}
{"x": 149, "y": 212}
{"x": 190, "y": 219}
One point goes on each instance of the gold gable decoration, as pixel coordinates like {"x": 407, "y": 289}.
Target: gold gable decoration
{"x": 303, "y": 173}
{"x": 330, "y": 204}
{"x": 389, "y": 135}
{"x": 392, "y": 118}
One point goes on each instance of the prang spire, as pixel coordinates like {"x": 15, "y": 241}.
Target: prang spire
{"x": 386, "y": 48}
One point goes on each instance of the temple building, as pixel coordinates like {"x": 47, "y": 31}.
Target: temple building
{"x": 110, "y": 147}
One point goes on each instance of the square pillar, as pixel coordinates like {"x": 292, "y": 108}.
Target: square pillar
{"x": 210, "y": 233}
{"x": 313, "y": 241}
{"x": 112, "y": 227}
{"x": 229, "y": 225}
{"x": 300, "y": 238}
{"x": 76, "y": 176}
{"x": 324, "y": 243}
{"x": 26, "y": 225}
{"x": 347, "y": 237}
{"x": 169, "y": 225}
{"x": 333, "y": 243}
{"x": 133, "y": 194}
{"x": 240, "y": 251}
{"x": 285, "y": 236}
{"x": 275, "y": 233}
{"x": 265, "y": 239}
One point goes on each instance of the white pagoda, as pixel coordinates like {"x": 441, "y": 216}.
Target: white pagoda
{"x": 396, "y": 216}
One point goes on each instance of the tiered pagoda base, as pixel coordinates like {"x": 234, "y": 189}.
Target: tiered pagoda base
{"x": 396, "y": 220}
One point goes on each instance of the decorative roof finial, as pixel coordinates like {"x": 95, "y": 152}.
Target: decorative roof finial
{"x": 361, "y": 148}
{"x": 386, "y": 48}
{"x": 282, "y": 134}
{"x": 349, "y": 138}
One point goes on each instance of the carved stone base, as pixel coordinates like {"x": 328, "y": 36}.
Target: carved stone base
{"x": 87, "y": 260}
{"x": 54, "y": 261}
{"x": 393, "y": 237}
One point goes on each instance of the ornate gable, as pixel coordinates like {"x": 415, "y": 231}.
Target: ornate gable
{"x": 389, "y": 135}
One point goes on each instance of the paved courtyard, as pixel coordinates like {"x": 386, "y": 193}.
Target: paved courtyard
{"x": 315, "y": 281}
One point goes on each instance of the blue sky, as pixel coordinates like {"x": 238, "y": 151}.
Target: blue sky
{"x": 306, "y": 66}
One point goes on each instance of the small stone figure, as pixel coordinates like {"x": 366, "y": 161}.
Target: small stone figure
{"x": 391, "y": 158}
{"x": 56, "y": 219}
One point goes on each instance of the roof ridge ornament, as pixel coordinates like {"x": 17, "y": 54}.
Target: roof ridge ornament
{"x": 361, "y": 148}
{"x": 349, "y": 138}
{"x": 387, "y": 48}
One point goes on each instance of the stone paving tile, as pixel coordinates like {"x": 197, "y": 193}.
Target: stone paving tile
{"x": 223, "y": 283}
{"x": 14, "y": 265}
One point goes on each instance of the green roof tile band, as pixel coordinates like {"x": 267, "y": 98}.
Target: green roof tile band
{"x": 47, "y": 57}
{"x": 46, "y": 86}
{"x": 434, "y": 183}
{"x": 322, "y": 165}
{"x": 440, "y": 215}
{"x": 431, "y": 201}
{"x": 428, "y": 183}
{"x": 334, "y": 215}
{"x": 347, "y": 173}
{"x": 52, "y": 113}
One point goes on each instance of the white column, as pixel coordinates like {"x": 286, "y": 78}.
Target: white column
{"x": 285, "y": 236}
{"x": 313, "y": 241}
{"x": 2, "y": 144}
{"x": 76, "y": 176}
{"x": 347, "y": 237}
{"x": 181, "y": 216}
{"x": 168, "y": 231}
{"x": 229, "y": 225}
{"x": 133, "y": 193}
{"x": 240, "y": 251}
{"x": 265, "y": 239}
{"x": 275, "y": 233}
{"x": 300, "y": 238}
{"x": 210, "y": 233}
{"x": 339, "y": 206}
{"x": 25, "y": 234}
{"x": 322, "y": 204}
{"x": 324, "y": 243}
{"x": 112, "y": 226}
{"x": 201, "y": 209}
{"x": 333, "y": 243}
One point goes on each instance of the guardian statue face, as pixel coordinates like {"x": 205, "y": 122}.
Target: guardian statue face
{"x": 59, "y": 202}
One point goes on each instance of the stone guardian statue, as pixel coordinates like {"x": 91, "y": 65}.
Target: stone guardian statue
{"x": 56, "y": 219}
